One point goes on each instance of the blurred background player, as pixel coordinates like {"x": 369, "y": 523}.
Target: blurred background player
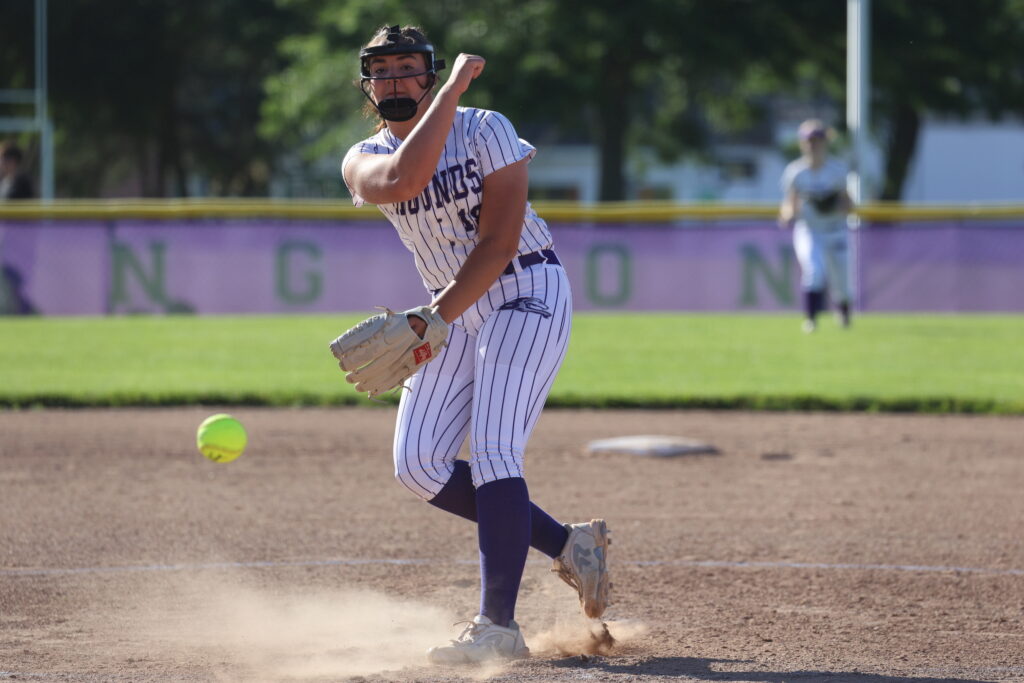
{"x": 815, "y": 206}
{"x": 14, "y": 183}
{"x": 496, "y": 280}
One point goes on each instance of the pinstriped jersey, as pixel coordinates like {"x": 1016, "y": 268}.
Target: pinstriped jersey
{"x": 439, "y": 225}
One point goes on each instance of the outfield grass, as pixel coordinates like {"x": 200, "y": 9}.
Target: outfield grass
{"x": 932, "y": 363}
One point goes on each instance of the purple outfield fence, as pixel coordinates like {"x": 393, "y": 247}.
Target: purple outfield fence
{"x": 291, "y": 266}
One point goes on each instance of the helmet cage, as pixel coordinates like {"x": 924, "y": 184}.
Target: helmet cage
{"x": 397, "y": 108}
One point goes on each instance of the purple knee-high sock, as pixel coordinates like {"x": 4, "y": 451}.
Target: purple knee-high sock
{"x": 844, "y": 312}
{"x": 814, "y": 300}
{"x": 503, "y": 528}
{"x": 459, "y": 498}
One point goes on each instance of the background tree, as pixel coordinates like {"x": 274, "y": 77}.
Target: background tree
{"x": 670, "y": 74}
{"x": 148, "y": 95}
{"x": 313, "y": 105}
{"x": 940, "y": 58}
{"x": 146, "y": 91}
{"x": 648, "y": 72}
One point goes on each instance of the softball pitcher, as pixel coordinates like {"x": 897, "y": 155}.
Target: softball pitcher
{"x": 480, "y": 359}
{"x": 815, "y": 206}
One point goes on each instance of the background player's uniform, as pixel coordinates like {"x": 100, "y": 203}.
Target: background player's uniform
{"x": 820, "y": 237}
{"x": 505, "y": 350}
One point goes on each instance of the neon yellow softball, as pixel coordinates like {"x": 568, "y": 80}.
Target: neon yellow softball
{"x": 221, "y": 438}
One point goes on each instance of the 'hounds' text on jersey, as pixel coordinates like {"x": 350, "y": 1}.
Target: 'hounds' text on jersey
{"x": 447, "y": 185}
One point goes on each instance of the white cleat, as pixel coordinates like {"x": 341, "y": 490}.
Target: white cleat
{"x": 808, "y": 326}
{"x": 583, "y": 565}
{"x": 482, "y": 641}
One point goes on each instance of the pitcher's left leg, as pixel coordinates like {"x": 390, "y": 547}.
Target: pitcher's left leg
{"x": 520, "y": 349}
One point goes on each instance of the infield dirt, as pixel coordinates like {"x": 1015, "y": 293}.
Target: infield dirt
{"x": 838, "y": 547}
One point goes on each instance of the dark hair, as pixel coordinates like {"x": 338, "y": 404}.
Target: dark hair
{"x": 407, "y": 35}
{"x": 12, "y": 152}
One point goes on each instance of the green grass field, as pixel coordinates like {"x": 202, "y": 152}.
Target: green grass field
{"x": 930, "y": 363}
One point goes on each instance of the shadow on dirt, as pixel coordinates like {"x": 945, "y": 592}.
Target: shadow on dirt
{"x": 702, "y": 669}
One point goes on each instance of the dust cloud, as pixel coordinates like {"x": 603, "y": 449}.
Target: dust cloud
{"x": 236, "y": 627}
{"x": 268, "y": 633}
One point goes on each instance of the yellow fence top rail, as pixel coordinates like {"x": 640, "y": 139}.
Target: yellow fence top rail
{"x": 604, "y": 212}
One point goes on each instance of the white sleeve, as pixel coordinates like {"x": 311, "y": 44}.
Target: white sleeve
{"x": 841, "y": 172}
{"x": 497, "y": 143}
{"x": 786, "y": 181}
{"x": 364, "y": 147}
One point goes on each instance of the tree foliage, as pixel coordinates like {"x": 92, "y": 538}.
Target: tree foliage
{"x": 944, "y": 58}
{"x": 598, "y": 71}
{"x": 940, "y": 58}
{"x": 672, "y": 74}
{"x": 144, "y": 92}
{"x": 148, "y": 95}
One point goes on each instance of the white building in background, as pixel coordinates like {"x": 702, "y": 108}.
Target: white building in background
{"x": 968, "y": 162}
{"x": 743, "y": 173}
{"x": 975, "y": 161}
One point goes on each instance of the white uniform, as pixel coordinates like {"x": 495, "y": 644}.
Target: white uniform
{"x": 504, "y": 351}
{"x": 820, "y": 232}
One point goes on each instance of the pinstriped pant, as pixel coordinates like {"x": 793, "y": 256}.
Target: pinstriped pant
{"x": 490, "y": 382}
{"x": 824, "y": 260}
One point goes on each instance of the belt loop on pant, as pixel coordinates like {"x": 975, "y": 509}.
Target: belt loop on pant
{"x": 532, "y": 259}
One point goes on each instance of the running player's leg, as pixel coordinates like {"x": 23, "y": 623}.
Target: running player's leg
{"x": 838, "y": 268}
{"x": 808, "y": 250}
{"x": 519, "y": 351}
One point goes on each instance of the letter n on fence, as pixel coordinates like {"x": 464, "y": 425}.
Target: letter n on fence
{"x": 778, "y": 279}
{"x": 153, "y": 284}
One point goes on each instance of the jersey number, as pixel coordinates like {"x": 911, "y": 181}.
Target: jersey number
{"x": 471, "y": 221}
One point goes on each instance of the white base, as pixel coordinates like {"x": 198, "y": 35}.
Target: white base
{"x": 650, "y": 446}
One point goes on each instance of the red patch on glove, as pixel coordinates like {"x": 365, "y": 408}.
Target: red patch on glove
{"x": 422, "y": 353}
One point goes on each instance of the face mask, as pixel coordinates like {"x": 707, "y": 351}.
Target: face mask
{"x": 397, "y": 108}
